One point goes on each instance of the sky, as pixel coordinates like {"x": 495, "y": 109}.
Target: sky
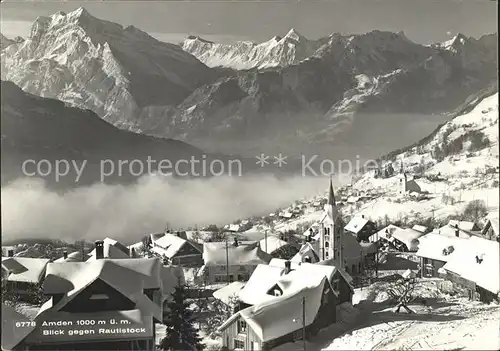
{"x": 423, "y": 21}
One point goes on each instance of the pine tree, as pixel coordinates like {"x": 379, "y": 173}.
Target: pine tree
{"x": 181, "y": 333}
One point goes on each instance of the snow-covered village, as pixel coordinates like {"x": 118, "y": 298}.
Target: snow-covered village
{"x": 401, "y": 253}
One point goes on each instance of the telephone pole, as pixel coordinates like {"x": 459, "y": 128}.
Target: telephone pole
{"x": 227, "y": 262}
{"x": 265, "y": 239}
{"x": 304, "y": 322}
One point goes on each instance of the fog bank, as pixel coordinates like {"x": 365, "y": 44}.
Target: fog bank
{"x": 126, "y": 213}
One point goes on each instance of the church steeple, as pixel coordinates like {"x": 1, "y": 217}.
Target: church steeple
{"x": 331, "y": 195}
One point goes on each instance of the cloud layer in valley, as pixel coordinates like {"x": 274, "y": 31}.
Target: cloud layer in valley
{"x": 30, "y": 210}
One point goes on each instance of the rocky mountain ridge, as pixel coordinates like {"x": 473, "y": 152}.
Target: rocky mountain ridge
{"x": 345, "y": 88}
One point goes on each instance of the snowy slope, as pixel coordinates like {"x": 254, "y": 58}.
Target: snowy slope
{"x": 100, "y": 65}
{"x": 277, "y": 52}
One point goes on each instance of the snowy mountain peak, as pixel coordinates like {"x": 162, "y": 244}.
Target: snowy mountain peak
{"x": 277, "y": 52}
{"x": 455, "y": 42}
{"x": 293, "y": 34}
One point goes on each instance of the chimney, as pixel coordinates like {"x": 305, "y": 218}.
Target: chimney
{"x": 235, "y": 243}
{"x": 457, "y": 233}
{"x": 132, "y": 252}
{"x": 288, "y": 267}
{"x": 362, "y": 216}
{"x": 99, "y": 249}
{"x": 65, "y": 255}
{"x": 10, "y": 253}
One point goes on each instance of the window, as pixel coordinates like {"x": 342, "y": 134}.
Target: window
{"x": 239, "y": 345}
{"x": 242, "y": 326}
{"x": 336, "y": 285}
{"x": 99, "y": 297}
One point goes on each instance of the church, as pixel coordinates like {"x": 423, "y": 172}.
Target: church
{"x": 331, "y": 244}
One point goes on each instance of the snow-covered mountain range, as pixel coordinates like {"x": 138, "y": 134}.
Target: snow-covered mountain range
{"x": 114, "y": 71}
{"x": 276, "y": 52}
{"x": 337, "y": 93}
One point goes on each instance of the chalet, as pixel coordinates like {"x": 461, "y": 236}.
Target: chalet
{"x": 491, "y": 229}
{"x": 402, "y": 239}
{"x": 177, "y": 250}
{"x": 111, "y": 249}
{"x": 361, "y": 227}
{"x": 23, "y": 275}
{"x": 225, "y": 261}
{"x": 286, "y": 301}
{"x": 435, "y": 251}
{"x": 384, "y": 235}
{"x": 475, "y": 267}
{"x": 130, "y": 292}
{"x": 406, "y": 240}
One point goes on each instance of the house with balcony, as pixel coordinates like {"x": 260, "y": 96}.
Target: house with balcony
{"x": 23, "y": 275}
{"x": 435, "y": 251}
{"x": 361, "y": 227}
{"x": 176, "y": 249}
{"x": 118, "y": 300}
{"x": 475, "y": 267}
{"x": 281, "y": 301}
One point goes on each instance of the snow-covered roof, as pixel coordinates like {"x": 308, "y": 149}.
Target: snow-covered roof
{"x": 75, "y": 256}
{"x": 128, "y": 276}
{"x": 112, "y": 249}
{"x": 385, "y": 233}
{"x": 308, "y": 250}
{"x": 356, "y": 224}
{"x": 233, "y": 227}
{"x": 279, "y": 262}
{"x": 225, "y": 293}
{"x": 448, "y": 230}
{"x": 170, "y": 245}
{"x": 477, "y": 261}
{"x": 463, "y": 225}
{"x": 352, "y": 199}
{"x": 439, "y": 247}
{"x": 408, "y": 237}
{"x": 282, "y": 315}
{"x": 263, "y": 278}
{"x": 246, "y": 253}
{"x": 12, "y": 335}
{"x": 273, "y": 244}
{"x": 419, "y": 228}
{"x": 25, "y": 269}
